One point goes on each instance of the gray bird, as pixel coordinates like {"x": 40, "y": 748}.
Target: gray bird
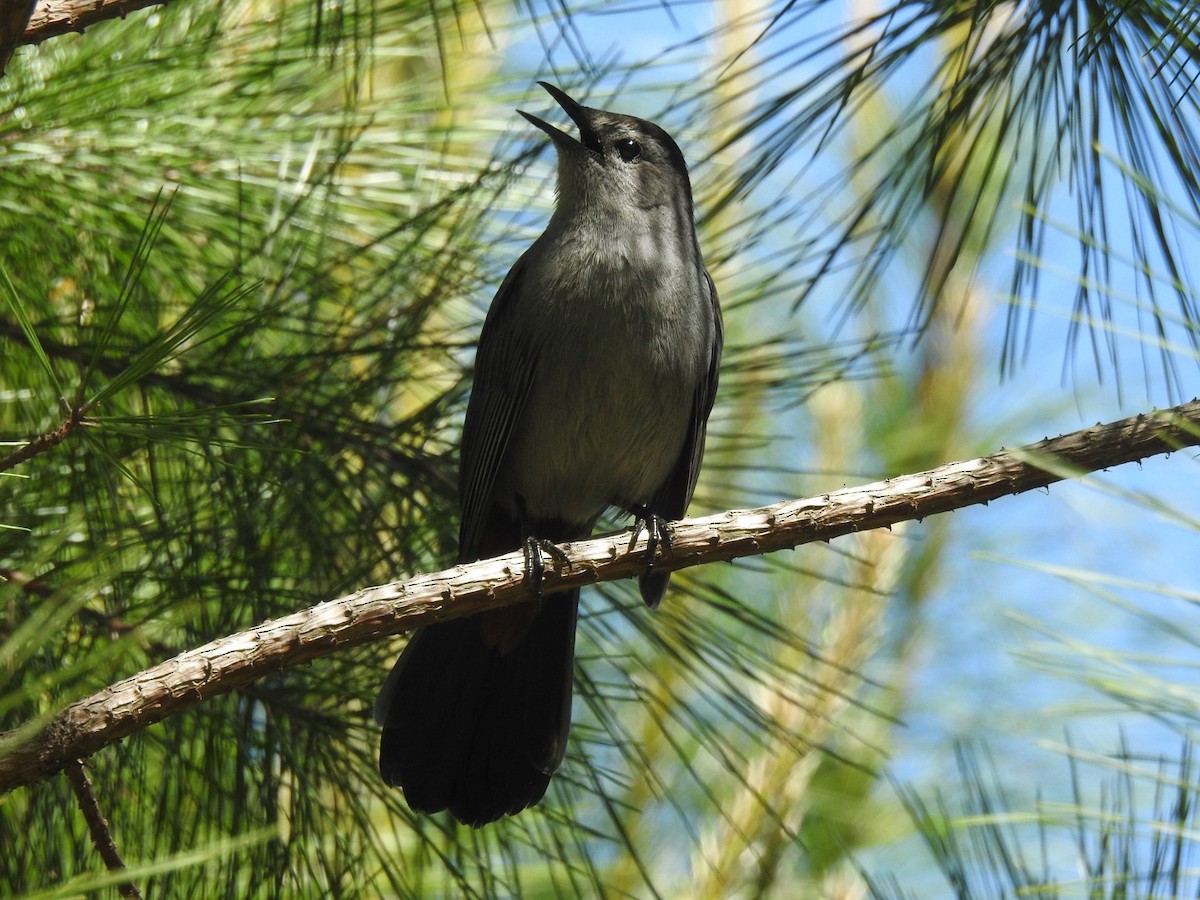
{"x": 594, "y": 378}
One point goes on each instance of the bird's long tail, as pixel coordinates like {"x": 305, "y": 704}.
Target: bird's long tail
{"x": 474, "y": 726}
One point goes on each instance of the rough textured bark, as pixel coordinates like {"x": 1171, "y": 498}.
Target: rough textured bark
{"x": 229, "y": 662}
{"x": 55, "y": 17}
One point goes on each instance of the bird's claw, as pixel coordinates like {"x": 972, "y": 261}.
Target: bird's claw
{"x": 658, "y": 534}
{"x": 536, "y": 549}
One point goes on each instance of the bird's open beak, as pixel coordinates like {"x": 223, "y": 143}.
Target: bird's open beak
{"x": 578, "y": 114}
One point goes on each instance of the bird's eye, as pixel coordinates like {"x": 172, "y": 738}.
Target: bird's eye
{"x": 628, "y": 149}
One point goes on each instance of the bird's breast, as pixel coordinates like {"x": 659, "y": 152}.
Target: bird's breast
{"x": 613, "y": 393}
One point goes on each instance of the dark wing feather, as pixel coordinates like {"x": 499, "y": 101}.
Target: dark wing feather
{"x": 673, "y": 496}
{"x": 504, "y": 366}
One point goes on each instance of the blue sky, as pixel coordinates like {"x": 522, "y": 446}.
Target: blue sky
{"x": 1002, "y": 611}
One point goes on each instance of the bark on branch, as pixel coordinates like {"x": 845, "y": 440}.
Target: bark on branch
{"x": 97, "y": 825}
{"x": 76, "y": 416}
{"x": 230, "y": 662}
{"x": 54, "y": 17}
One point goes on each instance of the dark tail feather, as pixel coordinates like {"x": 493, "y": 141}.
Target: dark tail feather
{"x": 475, "y": 731}
{"x": 653, "y": 586}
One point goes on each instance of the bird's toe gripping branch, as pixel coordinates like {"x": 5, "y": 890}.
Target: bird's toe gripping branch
{"x": 658, "y": 534}
{"x": 536, "y": 550}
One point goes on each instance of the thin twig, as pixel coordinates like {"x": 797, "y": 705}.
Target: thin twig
{"x": 47, "y": 441}
{"x": 97, "y": 825}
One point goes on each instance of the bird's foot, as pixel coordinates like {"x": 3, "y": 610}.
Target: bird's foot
{"x": 658, "y": 534}
{"x": 536, "y": 550}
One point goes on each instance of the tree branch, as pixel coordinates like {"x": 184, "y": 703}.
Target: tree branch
{"x": 55, "y": 17}
{"x": 76, "y": 416}
{"x": 97, "y": 825}
{"x": 239, "y": 659}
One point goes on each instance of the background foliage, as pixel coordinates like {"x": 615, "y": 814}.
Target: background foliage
{"x": 257, "y": 242}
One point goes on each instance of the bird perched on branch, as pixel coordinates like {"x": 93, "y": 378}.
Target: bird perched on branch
{"x": 594, "y": 378}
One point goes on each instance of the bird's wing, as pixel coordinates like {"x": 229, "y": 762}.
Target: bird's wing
{"x": 672, "y": 498}
{"x": 706, "y": 394}
{"x": 675, "y": 493}
{"x": 504, "y": 366}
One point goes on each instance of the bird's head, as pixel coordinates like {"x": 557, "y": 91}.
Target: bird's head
{"x": 619, "y": 163}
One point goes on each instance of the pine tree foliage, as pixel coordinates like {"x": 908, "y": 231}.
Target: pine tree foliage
{"x": 242, "y": 271}
{"x": 244, "y": 254}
